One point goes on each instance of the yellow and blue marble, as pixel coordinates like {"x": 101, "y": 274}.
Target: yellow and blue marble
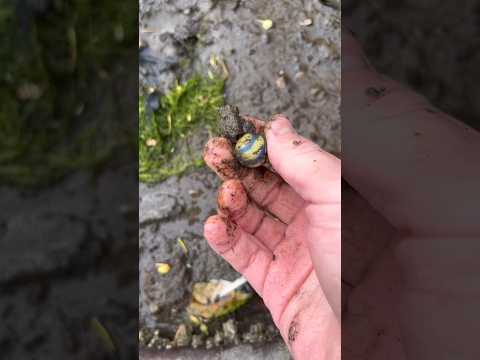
{"x": 251, "y": 150}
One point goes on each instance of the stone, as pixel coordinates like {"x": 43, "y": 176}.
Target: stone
{"x": 183, "y": 336}
{"x": 229, "y": 328}
{"x": 197, "y": 341}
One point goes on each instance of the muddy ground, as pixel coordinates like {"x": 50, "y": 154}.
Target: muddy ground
{"x": 293, "y": 68}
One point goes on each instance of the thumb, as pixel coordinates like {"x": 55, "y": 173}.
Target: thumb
{"x": 316, "y": 176}
{"x": 313, "y": 173}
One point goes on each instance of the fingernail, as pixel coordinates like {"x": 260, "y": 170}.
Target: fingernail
{"x": 281, "y": 126}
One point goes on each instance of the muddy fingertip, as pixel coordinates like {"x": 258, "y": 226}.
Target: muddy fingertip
{"x": 218, "y": 155}
{"x": 212, "y": 225}
{"x": 220, "y": 233}
{"x": 232, "y": 198}
{"x": 257, "y": 123}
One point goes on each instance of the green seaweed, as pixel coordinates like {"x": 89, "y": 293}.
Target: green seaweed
{"x": 164, "y": 134}
{"x": 63, "y": 53}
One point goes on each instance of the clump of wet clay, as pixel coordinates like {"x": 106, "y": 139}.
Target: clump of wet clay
{"x": 250, "y": 146}
{"x": 232, "y": 125}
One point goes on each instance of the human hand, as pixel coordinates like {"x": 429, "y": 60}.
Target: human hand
{"x": 282, "y": 232}
{"x": 417, "y": 167}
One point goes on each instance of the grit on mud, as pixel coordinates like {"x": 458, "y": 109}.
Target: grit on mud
{"x": 292, "y": 67}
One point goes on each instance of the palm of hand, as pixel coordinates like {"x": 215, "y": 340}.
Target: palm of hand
{"x": 265, "y": 229}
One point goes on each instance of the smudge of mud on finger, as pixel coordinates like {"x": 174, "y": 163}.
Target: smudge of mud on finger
{"x": 219, "y": 157}
{"x": 258, "y": 124}
{"x": 293, "y": 331}
{"x": 232, "y": 199}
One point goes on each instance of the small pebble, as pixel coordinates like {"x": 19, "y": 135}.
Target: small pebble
{"x": 306, "y": 22}
{"x": 197, "y": 340}
{"x": 218, "y": 338}
{"x": 154, "y": 308}
{"x": 229, "y": 328}
{"x": 299, "y": 75}
{"x": 281, "y": 83}
{"x": 209, "y": 343}
{"x": 315, "y": 91}
{"x": 153, "y": 99}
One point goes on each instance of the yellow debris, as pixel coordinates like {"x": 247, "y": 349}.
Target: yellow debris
{"x": 204, "y": 328}
{"x": 180, "y": 241}
{"x": 102, "y": 333}
{"x": 151, "y": 142}
{"x": 201, "y": 325}
{"x": 195, "y": 320}
{"x": 218, "y": 67}
{"x": 224, "y": 67}
{"x": 163, "y": 268}
{"x": 213, "y": 60}
{"x": 267, "y": 24}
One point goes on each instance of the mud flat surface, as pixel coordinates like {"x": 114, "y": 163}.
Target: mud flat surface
{"x": 293, "y": 68}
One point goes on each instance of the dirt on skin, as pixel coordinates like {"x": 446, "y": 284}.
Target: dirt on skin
{"x": 292, "y": 332}
{"x": 292, "y": 68}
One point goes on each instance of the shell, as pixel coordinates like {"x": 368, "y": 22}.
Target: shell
{"x": 251, "y": 150}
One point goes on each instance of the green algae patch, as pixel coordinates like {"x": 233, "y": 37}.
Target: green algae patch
{"x": 166, "y": 134}
{"x": 56, "y": 72}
